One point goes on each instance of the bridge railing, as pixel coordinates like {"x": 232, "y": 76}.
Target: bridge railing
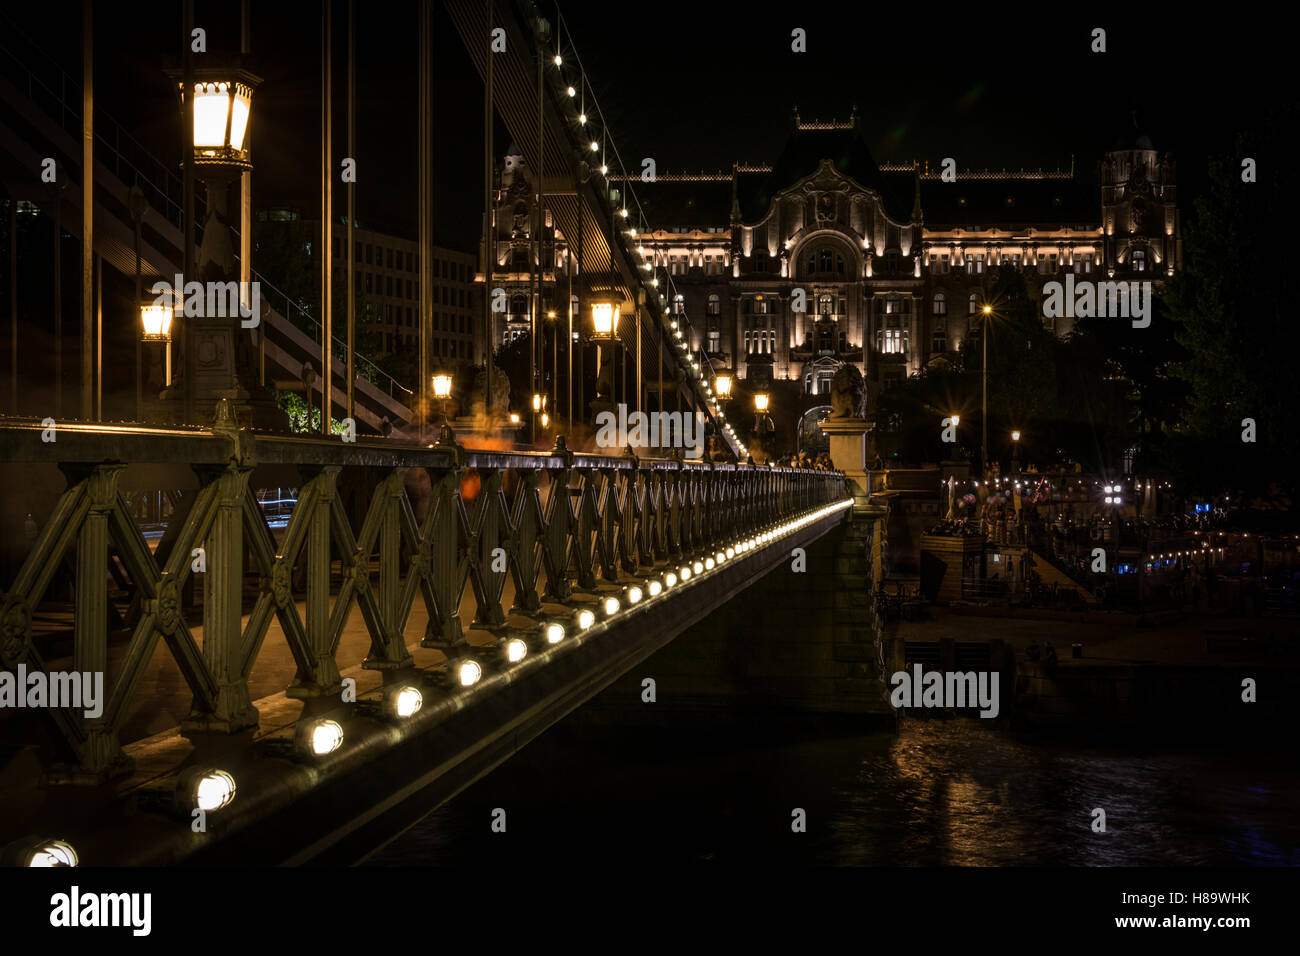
{"x": 374, "y": 525}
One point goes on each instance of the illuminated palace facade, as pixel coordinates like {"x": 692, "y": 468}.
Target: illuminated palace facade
{"x": 891, "y": 259}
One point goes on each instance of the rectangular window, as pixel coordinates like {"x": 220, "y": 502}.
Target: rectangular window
{"x": 390, "y": 285}
{"x": 893, "y": 342}
{"x": 410, "y": 262}
{"x": 370, "y": 282}
{"x": 715, "y": 341}
{"x": 940, "y": 342}
{"x": 1139, "y": 260}
{"x": 1087, "y": 262}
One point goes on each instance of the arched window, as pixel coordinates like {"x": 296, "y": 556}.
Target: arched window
{"x": 679, "y": 304}
{"x": 940, "y": 304}
{"x": 824, "y": 260}
{"x": 974, "y": 304}
{"x": 715, "y": 304}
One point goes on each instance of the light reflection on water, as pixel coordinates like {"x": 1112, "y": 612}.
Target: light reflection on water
{"x": 941, "y": 792}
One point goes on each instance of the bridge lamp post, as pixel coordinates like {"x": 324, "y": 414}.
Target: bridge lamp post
{"x": 604, "y": 321}
{"x": 763, "y": 425}
{"x": 1015, "y": 452}
{"x": 156, "y": 326}
{"x": 442, "y": 391}
{"x": 540, "y": 415}
{"x": 222, "y": 103}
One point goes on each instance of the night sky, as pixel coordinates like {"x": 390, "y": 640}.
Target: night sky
{"x": 698, "y": 85}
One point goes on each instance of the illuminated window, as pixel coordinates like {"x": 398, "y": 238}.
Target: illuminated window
{"x": 940, "y": 304}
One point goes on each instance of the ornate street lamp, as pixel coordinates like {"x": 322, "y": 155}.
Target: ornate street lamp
{"x": 156, "y": 326}
{"x": 223, "y": 102}
{"x": 442, "y": 391}
{"x": 604, "y": 317}
{"x": 722, "y": 382}
{"x": 221, "y": 94}
{"x": 155, "y": 323}
{"x": 763, "y": 424}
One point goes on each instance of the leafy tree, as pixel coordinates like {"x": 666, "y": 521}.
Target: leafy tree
{"x": 1228, "y": 306}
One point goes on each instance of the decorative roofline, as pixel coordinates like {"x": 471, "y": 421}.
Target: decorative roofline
{"x": 824, "y": 124}
{"x": 926, "y": 173}
{"x": 700, "y": 177}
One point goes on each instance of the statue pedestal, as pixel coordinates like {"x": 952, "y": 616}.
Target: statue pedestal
{"x": 848, "y": 448}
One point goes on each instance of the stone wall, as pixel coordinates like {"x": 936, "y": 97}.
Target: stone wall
{"x": 804, "y": 642}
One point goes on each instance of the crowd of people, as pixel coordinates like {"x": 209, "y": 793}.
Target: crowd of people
{"x": 804, "y": 460}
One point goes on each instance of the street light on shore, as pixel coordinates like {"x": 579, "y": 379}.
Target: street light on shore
{"x": 984, "y": 393}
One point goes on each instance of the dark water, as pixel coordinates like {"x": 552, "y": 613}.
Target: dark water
{"x": 941, "y": 792}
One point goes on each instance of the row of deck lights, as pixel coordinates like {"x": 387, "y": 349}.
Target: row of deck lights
{"x": 713, "y": 400}
{"x": 212, "y": 789}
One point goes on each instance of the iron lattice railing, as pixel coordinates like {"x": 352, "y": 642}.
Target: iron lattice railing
{"x": 566, "y": 523}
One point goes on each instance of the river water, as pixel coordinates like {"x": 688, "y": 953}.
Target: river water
{"x": 941, "y": 792}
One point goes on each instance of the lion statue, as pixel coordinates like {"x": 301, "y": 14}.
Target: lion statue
{"x": 847, "y": 393}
